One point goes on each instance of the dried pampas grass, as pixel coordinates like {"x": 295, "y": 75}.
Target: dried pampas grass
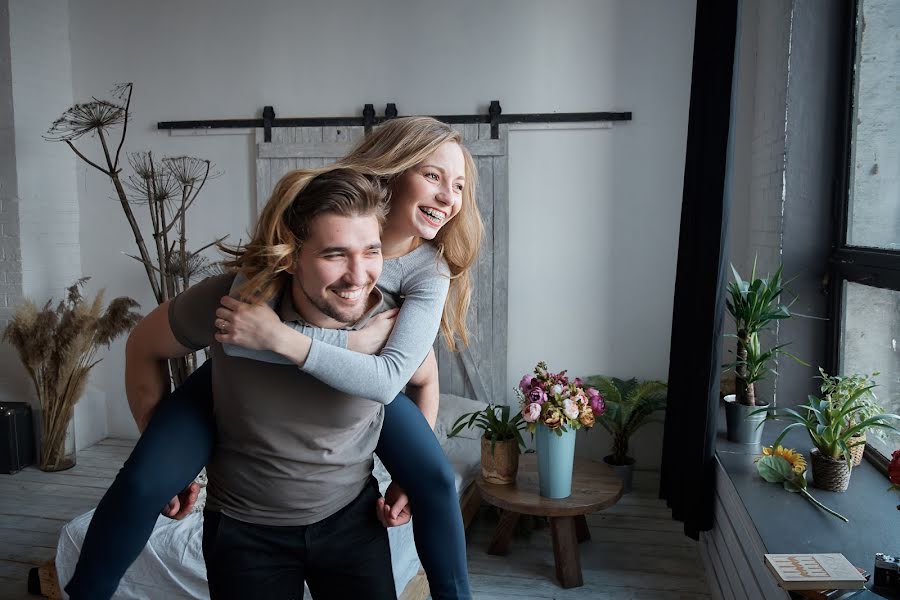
{"x": 58, "y": 346}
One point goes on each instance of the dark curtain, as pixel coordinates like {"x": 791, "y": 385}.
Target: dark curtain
{"x": 687, "y": 477}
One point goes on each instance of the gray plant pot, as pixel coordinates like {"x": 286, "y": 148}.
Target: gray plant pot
{"x": 625, "y": 472}
{"x": 743, "y": 429}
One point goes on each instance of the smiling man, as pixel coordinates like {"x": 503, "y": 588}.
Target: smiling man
{"x": 291, "y": 495}
{"x": 335, "y": 272}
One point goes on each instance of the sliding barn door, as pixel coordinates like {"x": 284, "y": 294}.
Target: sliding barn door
{"x": 478, "y": 371}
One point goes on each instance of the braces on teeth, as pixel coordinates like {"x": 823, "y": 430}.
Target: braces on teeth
{"x": 437, "y": 215}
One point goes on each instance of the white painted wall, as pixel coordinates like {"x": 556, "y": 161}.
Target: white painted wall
{"x": 598, "y": 209}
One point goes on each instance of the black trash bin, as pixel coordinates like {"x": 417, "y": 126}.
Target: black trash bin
{"x": 16, "y": 437}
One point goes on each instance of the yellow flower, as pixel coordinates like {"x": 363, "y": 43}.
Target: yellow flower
{"x": 794, "y": 458}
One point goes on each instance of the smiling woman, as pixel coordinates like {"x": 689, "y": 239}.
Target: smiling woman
{"x": 424, "y": 198}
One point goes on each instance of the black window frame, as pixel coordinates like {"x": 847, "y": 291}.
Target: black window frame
{"x": 873, "y": 267}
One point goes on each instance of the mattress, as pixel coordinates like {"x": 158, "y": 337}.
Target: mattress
{"x": 171, "y": 565}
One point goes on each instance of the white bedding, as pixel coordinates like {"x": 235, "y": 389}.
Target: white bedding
{"x": 171, "y": 565}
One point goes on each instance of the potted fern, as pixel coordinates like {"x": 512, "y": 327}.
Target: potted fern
{"x": 630, "y": 404}
{"x": 754, "y": 305}
{"x": 500, "y": 443}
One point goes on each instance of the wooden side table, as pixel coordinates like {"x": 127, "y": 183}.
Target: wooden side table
{"x": 594, "y": 487}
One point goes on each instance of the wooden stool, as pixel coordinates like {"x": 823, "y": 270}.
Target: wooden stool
{"x": 594, "y": 487}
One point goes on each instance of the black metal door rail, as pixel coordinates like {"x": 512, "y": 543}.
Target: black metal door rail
{"x": 368, "y": 120}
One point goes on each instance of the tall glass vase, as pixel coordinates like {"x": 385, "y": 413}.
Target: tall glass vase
{"x": 555, "y": 458}
{"x": 58, "y": 448}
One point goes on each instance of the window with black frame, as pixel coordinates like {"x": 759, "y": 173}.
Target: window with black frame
{"x": 866, "y": 260}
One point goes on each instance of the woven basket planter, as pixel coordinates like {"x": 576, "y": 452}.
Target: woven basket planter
{"x": 501, "y": 464}
{"x": 832, "y": 474}
{"x": 857, "y": 447}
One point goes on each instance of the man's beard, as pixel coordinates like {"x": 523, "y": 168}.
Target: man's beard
{"x": 348, "y": 317}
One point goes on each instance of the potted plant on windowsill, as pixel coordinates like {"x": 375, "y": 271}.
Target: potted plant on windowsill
{"x": 856, "y": 387}
{"x": 630, "y": 404}
{"x": 754, "y": 305}
{"x": 825, "y": 420}
{"x": 501, "y": 442}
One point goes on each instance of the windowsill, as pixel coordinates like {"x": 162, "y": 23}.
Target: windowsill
{"x": 787, "y": 522}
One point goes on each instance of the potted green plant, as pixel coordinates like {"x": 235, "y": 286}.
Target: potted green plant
{"x": 630, "y": 404}
{"x": 500, "y": 443}
{"x": 754, "y": 305}
{"x": 859, "y": 388}
{"x": 826, "y": 422}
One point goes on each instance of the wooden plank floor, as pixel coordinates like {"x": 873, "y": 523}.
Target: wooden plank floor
{"x": 35, "y": 505}
{"x": 636, "y": 552}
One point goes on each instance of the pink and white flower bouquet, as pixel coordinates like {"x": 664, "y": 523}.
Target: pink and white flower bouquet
{"x": 557, "y": 402}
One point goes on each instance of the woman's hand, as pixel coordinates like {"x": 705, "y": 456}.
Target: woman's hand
{"x": 372, "y": 338}
{"x": 251, "y": 326}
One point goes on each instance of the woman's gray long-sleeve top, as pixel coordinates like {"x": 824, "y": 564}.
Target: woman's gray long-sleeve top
{"x": 420, "y": 280}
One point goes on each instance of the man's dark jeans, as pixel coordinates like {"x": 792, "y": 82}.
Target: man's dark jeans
{"x": 346, "y": 555}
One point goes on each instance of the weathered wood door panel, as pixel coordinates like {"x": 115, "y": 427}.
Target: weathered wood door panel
{"x": 478, "y": 371}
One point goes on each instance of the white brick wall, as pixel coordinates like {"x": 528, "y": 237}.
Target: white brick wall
{"x": 40, "y": 251}
{"x": 765, "y": 225}
{"x": 783, "y": 208}
{"x": 47, "y": 185}
{"x": 10, "y": 254}
{"x": 757, "y": 224}
{"x": 10, "y": 258}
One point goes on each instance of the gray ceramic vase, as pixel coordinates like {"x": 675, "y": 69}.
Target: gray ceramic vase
{"x": 742, "y": 428}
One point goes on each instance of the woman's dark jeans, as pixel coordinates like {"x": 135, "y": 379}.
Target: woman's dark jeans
{"x": 174, "y": 447}
{"x": 414, "y": 458}
{"x": 177, "y": 443}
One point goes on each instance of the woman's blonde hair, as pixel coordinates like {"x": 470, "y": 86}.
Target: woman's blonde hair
{"x": 386, "y": 153}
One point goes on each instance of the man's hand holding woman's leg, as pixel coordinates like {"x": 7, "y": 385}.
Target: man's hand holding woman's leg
{"x": 181, "y": 505}
{"x": 393, "y": 508}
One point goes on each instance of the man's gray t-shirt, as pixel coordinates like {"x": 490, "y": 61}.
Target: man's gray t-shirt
{"x": 289, "y": 449}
